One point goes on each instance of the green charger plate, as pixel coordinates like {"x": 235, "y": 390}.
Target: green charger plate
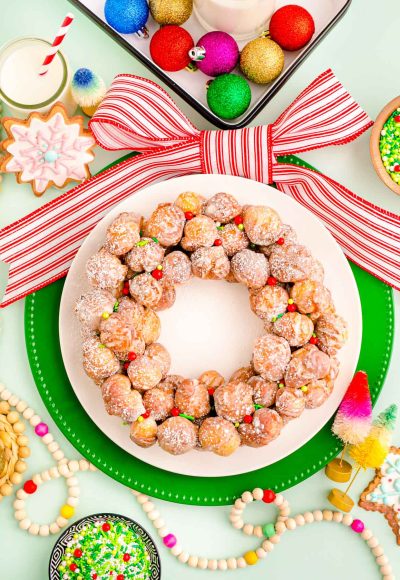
{"x": 44, "y": 353}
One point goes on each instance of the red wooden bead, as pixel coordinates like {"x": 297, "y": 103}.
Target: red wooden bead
{"x": 248, "y": 419}
{"x": 146, "y": 415}
{"x": 106, "y": 527}
{"x": 280, "y": 241}
{"x": 125, "y": 291}
{"x": 126, "y": 557}
{"x": 217, "y": 242}
{"x": 78, "y": 553}
{"x": 238, "y": 220}
{"x": 126, "y": 365}
{"x": 313, "y": 340}
{"x": 271, "y": 281}
{"x": 211, "y": 391}
{"x": 291, "y": 308}
{"x": 189, "y": 215}
{"x": 73, "y": 567}
{"x": 157, "y": 274}
{"x": 175, "y": 412}
{"x": 397, "y": 119}
{"x": 132, "y": 356}
{"x": 269, "y": 496}
{"x": 30, "y": 487}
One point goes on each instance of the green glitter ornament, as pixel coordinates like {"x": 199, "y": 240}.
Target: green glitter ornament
{"x": 228, "y": 96}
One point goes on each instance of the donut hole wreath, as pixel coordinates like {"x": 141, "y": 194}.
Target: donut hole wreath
{"x": 138, "y": 272}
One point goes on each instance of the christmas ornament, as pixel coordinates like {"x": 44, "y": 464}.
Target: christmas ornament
{"x": 291, "y": 27}
{"x": 370, "y": 453}
{"x": 228, "y": 96}
{"x": 169, "y": 48}
{"x": 176, "y": 147}
{"x": 383, "y": 493}
{"x": 88, "y": 90}
{"x": 352, "y": 424}
{"x": 262, "y": 60}
{"x": 216, "y": 53}
{"x": 171, "y": 11}
{"x": 127, "y": 16}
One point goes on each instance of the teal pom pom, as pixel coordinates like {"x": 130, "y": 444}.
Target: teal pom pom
{"x": 87, "y": 88}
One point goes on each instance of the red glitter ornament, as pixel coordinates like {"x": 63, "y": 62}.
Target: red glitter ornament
{"x": 157, "y": 274}
{"x": 106, "y": 527}
{"x": 217, "y": 242}
{"x": 271, "y": 281}
{"x": 78, "y": 553}
{"x": 175, "y": 411}
{"x": 30, "y": 487}
{"x": 248, "y": 419}
{"x": 268, "y": 496}
{"x": 132, "y": 356}
{"x": 189, "y": 215}
{"x": 291, "y": 27}
{"x": 291, "y": 307}
{"x": 238, "y": 220}
{"x": 169, "y": 47}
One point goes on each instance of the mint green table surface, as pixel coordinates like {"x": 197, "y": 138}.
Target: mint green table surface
{"x": 363, "y": 51}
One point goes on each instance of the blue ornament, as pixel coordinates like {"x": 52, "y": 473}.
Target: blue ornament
{"x": 126, "y": 16}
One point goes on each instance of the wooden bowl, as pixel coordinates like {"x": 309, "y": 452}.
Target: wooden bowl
{"x": 374, "y": 145}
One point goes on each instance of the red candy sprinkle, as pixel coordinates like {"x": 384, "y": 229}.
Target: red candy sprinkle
{"x": 132, "y": 356}
{"x": 30, "y": 486}
{"x": 106, "y": 527}
{"x": 73, "y": 567}
{"x": 126, "y": 557}
{"x": 313, "y": 340}
{"x": 94, "y": 576}
{"x": 238, "y": 220}
{"x": 157, "y": 274}
{"x": 146, "y": 415}
{"x": 396, "y": 167}
{"x": 126, "y": 284}
{"x": 125, "y": 291}
{"x": 175, "y": 412}
{"x": 396, "y": 119}
{"x": 269, "y": 496}
{"x": 211, "y": 391}
{"x": 291, "y": 308}
{"x": 217, "y": 242}
{"x": 189, "y": 215}
{"x": 271, "y": 281}
{"x": 280, "y": 241}
{"x": 120, "y": 577}
{"x": 248, "y": 419}
{"x": 126, "y": 365}
{"x": 78, "y": 553}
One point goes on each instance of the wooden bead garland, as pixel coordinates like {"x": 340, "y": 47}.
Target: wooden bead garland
{"x": 271, "y": 532}
{"x": 14, "y": 446}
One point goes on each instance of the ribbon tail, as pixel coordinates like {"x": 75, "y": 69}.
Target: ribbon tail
{"x": 368, "y": 234}
{"x": 40, "y": 247}
{"x": 323, "y": 114}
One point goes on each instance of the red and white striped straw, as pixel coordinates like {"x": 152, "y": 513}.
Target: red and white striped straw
{"x": 56, "y": 44}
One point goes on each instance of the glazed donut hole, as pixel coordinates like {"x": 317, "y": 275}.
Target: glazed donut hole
{"x": 139, "y": 272}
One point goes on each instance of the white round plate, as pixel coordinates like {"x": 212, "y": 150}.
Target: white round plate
{"x": 211, "y": 326}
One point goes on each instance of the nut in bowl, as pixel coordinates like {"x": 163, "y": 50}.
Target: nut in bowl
{"x": 385, "y": 145}
{"x": 257, "y": 403}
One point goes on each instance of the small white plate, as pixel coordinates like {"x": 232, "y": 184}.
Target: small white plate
{"x": 211, "y": 326}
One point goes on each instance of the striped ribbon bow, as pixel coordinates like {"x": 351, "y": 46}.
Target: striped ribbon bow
{"x": 137, "y": 114}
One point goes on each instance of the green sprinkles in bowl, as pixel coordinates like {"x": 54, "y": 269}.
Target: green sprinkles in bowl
{"x": 389, "y": 145}
{"x": 105, "y": 549}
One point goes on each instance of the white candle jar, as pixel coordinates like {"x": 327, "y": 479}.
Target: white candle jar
{"x": 22, "y": 89}
{"x": 243, "y": 19}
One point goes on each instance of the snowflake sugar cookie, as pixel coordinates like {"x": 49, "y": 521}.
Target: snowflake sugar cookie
{"x": 383, "y": 493}
{"x": 46, "y": 150}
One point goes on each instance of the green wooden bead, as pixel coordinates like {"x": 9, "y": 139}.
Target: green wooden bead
{"x": 269, "y": 530}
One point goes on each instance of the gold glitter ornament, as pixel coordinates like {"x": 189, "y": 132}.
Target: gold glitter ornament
{"x": 171, "y": 11}
{"x": 262, "y": 60}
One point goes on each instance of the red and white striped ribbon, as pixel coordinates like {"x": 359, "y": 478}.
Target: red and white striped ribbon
{"x": 55, "y": 47}
{"x": 138, "y": 114}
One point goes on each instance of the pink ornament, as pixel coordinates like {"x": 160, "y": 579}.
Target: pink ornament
{"x": 41, "y": 429}
{"x": 216, "y": 53}
{"x": 169, "y": 540}
{"x": 357, "y": 526}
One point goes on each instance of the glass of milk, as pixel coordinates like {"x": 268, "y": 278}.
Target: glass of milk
{"x": 243, "y": 19}
{"x": 22, "y": 89}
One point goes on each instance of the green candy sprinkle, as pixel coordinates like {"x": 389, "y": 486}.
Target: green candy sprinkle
{"x": 115, "y": 307}
{"x": 258, "y": 407}
{"x": 155, "y": 240}
{"x": 389, "y": 146}
{"x": 220, "y": 228}
{"x": 190, "y": 417}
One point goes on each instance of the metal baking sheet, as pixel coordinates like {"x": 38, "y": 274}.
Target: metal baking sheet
{"x": 191, "y": 86}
